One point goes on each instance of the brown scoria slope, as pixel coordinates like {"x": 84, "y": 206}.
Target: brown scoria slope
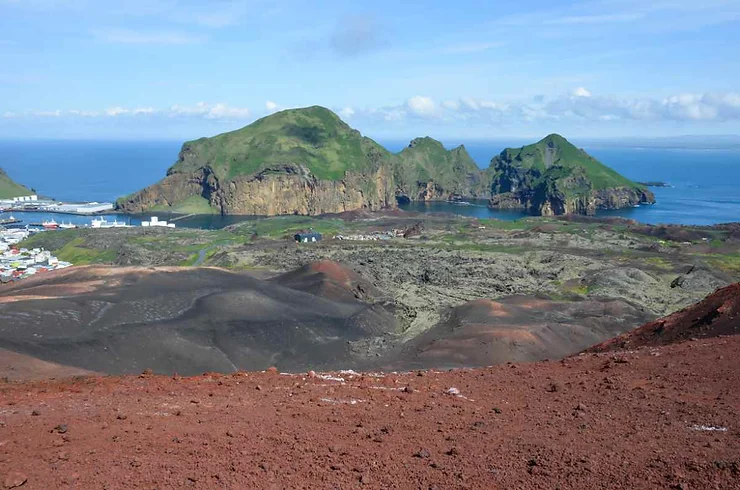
{"x": 664, "y": 418}
{"x": 718, "y": 314}
{"x": 517, "y": 329}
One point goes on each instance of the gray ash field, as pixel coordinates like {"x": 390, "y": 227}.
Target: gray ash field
{"x": 455, "y": 293}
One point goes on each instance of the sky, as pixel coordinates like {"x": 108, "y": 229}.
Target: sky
{"x": 471, "y": 69}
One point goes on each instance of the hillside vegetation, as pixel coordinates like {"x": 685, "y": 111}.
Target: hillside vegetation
{"x": 10, "y": 189}
{"x": 308, "y": 161}
{"x": 314, "y": 137}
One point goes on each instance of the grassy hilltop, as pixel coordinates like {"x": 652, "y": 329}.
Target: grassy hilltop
{"x": 315, "y": 137}
{"x": 554, "y": 154}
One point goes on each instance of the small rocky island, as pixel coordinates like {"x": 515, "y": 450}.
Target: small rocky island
{"x": 655, "y": 183}
{"x": 309, "y": 162}
{"x": 553, "y": 177}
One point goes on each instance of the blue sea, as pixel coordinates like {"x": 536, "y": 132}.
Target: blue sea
{"x": 705, "y": 184}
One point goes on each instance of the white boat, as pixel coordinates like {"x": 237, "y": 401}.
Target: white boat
{"x": 103, "y": 223}
{"x": 67, "y": 226}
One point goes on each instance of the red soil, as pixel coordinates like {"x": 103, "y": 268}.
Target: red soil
{"x": 717, "y": 314}
{"x": 629, "y": 420}
{"x": 19, "y": 367}
{"x": 330, "y": 280}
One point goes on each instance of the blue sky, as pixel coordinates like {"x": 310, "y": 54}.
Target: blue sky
{"x": 472, "y": 69}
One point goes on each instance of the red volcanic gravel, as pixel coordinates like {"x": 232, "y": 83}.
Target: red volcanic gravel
{"x": 717, "y": 314}
{"x": 666, "y": 417}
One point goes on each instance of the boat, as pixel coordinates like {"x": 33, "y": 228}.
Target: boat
{"x": 103, "y": 223}
{"x": 50, "y": 225}
{"x": 67, "y": 226}
{"x": 11, "y": 220}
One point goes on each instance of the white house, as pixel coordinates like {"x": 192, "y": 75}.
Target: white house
{"x": 154, "y": 221}
{"x": 26, "y": 198}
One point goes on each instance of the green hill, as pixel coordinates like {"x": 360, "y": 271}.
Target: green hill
{"x": 552, "y": 176}
{"x": 314, "y": 137}
{"x": 304, "y": 161}
{"x": 308, "y": 161}
{"x": 9, "y": 189}
{"x": 425, "y": 160}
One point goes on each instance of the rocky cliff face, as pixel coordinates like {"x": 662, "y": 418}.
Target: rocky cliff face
{"x": 277, "y": 190}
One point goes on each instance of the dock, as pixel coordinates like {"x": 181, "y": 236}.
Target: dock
{"x": 183, "y": 217}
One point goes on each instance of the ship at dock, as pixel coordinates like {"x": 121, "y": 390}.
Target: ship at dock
{"x": 103, "y": 223}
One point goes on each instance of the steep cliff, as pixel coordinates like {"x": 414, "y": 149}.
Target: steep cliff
{"x": 305, "y": 161}
{"x": 426, "y": 171}
{"x": 553, "y": 177}
{"x": 301, "y": 161}
{"x": 10, "y": 189}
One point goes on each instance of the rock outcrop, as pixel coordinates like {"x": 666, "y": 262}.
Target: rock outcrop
{"x": 717, "y": 314}
{"x": 553, "y": 177}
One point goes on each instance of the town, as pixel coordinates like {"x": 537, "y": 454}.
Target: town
{"x": 19, "y": 263}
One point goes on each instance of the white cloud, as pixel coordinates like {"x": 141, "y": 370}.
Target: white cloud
{"x": 77, "y": 112}
{"x": 116, "y": 111}
{"x": 579, "y": 105}
{"x": 210, "y": 111}
{"x": 271, "y": 106}
{"x": 680, "y": 107}
{"x": 222, "y": 111}
{"x": 128, "y": 36}
{"x": 452, "y": 105}
{"x": 470, "y": 103}
{"x": 581, "y": 92}
{"x": 422, "y": 106}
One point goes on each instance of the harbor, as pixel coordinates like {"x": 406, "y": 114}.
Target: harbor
{"x": 34, "y": 203}
{"x": 18, "y": 262}
{"x": 39, "y": 221}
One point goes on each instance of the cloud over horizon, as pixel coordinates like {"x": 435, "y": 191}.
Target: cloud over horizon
{"x": 579, "y": 104}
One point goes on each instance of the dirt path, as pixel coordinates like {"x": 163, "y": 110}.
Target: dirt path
{"x": 662, "y": 418}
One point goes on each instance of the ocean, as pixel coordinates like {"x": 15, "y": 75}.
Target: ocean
{"x": 705, "y": 184}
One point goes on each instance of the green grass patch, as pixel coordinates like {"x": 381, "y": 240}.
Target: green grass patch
{"x": 659, "y": 262}
{"x": 77, "y": 254}
{"x": 728, "y": 263}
